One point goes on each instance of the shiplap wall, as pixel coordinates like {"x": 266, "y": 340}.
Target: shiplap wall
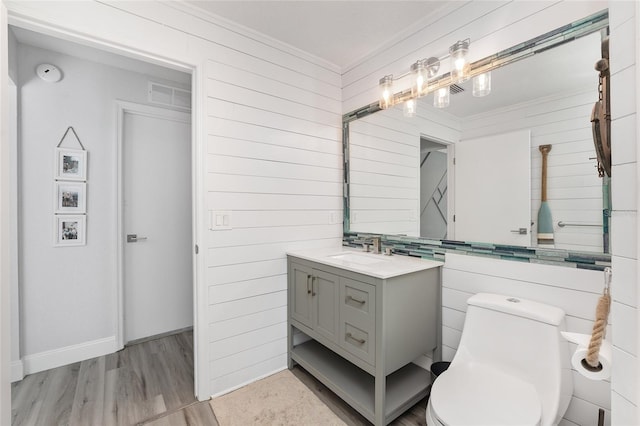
{"x": 574, "y": 189}
{"x": 269, "y": 120}
{"x": 574, "y": 291}
{"x": 275, "y": 161}
{"x": 624, "y": 23}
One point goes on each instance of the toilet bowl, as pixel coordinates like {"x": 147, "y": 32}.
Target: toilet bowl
{"x": 511, "y": 367}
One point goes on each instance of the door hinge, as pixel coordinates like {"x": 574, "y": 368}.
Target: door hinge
{"x": 454, "y": 161}
{"x": 454, "y": 217}
{"x": 197, "y": 249}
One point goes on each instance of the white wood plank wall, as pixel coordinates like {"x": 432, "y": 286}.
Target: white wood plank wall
{"x": 274, "y": 158}
{"x": 574, "y": 291}
{"x": 274, "y": 161}
{"x": 574, "y": 189}
{"x": 624, "y": 23}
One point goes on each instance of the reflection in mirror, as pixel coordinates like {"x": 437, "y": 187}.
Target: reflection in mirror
{"x": 402, "y": 178}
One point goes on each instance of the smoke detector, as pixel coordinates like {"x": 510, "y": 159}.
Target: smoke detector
{"x": 49, "y": 73}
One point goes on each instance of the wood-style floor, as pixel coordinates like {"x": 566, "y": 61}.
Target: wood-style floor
{"x": 149, "y": 383}
{"x": 146, "y": 383}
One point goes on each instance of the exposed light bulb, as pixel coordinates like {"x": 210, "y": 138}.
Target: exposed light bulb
{"x": 419, "y": 72}
{"x": 386, "y": 92}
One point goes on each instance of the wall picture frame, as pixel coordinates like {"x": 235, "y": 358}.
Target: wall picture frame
{"x": 70, "y": 230}
{"x": 70, "y": 197}
{"x": 71, "y": 164}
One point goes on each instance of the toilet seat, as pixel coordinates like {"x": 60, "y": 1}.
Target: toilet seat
{"x": 475, "y": 394}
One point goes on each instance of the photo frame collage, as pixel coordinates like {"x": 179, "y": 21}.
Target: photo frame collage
{"x": 70, "y": 195}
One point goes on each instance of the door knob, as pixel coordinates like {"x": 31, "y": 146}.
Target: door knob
{"x": 133, "y": 238}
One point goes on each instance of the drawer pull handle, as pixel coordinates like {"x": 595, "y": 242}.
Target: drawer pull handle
{"x": 350, "y": 336}
{"x": 362, "y": 302}
{"x": 308, "y": 286}
{"x": 313, "y": 281}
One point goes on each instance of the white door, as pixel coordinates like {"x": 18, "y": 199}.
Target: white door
{"x": 156, "y": 181}
{"x": 493, "y": 189}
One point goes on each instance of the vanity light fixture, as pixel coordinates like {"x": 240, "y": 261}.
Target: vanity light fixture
{"x": 482, "y": 84}
{"x": 423, "y": 74}
{"x": 460, "y": 65}
{"x": 441, "y": 97}
{"x": 386, "y": 91}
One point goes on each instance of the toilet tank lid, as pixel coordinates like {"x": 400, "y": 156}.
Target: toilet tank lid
{"x": 519, "y": 307}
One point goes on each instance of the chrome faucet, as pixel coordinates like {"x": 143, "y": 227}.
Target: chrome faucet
{"x": 377, "y": 244}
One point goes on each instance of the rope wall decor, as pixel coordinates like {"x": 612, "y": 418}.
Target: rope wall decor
{"x": 599, "y": 326}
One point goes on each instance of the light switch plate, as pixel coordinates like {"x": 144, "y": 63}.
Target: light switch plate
{"x": 220, "y": 220}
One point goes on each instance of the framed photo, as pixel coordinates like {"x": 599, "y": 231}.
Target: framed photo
{"x": 70, "y": 197}
{"x": 71, "y": 164}
{"x": 70, "y": 230}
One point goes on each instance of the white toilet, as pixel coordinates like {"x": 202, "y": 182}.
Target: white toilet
{"x": 512, "y": 367}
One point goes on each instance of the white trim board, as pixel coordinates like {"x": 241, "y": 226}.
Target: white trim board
{"x": 68, "y": 355}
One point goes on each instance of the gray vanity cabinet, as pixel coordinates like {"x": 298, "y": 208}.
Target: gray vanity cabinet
{"x": 358, "y": 334}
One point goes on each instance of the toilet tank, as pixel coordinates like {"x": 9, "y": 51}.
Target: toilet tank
{"x": 520, "y": 337}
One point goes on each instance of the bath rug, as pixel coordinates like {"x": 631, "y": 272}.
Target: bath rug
{"x": 280, "y": 399}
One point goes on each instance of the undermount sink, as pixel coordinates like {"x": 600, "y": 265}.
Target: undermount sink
{"x": 359, "y": 259}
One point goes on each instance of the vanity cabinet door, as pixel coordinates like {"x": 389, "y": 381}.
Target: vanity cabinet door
{"x": 301, "y": 294}
{"x": 325, "y": 300}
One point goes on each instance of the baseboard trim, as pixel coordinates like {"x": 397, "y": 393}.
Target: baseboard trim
{"x": 69, "y": 354}
{"x": 17, "y": 371}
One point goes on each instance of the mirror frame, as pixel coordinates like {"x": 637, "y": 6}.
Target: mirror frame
{"x": 567, "y": 33}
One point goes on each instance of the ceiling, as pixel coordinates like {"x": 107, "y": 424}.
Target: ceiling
{"x": 340, "y": 32}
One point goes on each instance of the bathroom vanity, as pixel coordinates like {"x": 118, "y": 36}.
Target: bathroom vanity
{"x": 357, "y": 320}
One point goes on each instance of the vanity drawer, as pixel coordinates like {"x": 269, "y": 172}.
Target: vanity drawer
{"x": 358, "y": 319}
{"x": 358, "y": 342}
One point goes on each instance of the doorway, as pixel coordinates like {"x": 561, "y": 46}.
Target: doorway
{"x": 155, "y": 164}
{"x": 98, "y": 130}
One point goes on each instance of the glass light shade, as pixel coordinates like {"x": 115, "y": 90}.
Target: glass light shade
{"x": 386, "y": 92}
{"x": 441, "y": 97}
{"x": 460, "y": 66}
{"x": 482, "y": 84}
{"x": 419, "y": 78}
{"x": 410, "y": 107}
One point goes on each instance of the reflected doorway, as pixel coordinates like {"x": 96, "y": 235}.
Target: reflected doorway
{"x": 433, "y": 189}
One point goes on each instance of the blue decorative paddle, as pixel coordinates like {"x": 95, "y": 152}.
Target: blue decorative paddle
{"x": 545, "y": 221}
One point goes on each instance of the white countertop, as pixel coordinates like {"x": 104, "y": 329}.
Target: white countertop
{"x": 374, "y": 265}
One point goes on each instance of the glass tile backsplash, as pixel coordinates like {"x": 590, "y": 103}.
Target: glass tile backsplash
{"x": 436, "y": 249}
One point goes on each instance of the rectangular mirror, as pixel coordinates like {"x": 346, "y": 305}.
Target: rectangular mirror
{"x": 473, "y": 171}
